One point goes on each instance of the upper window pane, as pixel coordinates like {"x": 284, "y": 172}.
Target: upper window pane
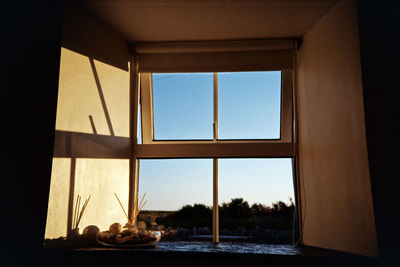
{"x": 183, "y": 106}
{"x": 249, "y": 105}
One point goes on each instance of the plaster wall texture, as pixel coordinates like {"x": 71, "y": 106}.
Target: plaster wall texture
{"x": 92, "y": 143}
{"x": 337, "y": 209}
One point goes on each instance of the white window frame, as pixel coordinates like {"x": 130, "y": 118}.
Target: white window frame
{"x": 161, "y": 149}
{"x": 147, "y": 112}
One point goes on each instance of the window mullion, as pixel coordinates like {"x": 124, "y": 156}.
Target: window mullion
{"x": 286, "y": 106}
{"x": 215, "y": 202}
{"x": 215, "y": 162}
{"x": 146, "y": 98}
{"x": 134, "y": 112}
{"x": 215, "y": 101}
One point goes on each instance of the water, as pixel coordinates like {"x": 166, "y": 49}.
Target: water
{"x": 228, "y": 247}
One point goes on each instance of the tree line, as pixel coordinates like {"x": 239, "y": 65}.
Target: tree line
{"x": 236, "y": 213}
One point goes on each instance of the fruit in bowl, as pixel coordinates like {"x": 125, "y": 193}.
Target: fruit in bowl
{"x": 128, "y": 236}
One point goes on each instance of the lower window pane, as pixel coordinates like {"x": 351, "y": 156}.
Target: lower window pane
{"x": 256, "y": 200}
{"x": 179, "y": 197}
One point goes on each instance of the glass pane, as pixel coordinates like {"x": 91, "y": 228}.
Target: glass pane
{"x": 179, "y": 197}
{"x": 256, "y": 200}
{"x": 249, "y": 105}
{"x": 183, "y": 106}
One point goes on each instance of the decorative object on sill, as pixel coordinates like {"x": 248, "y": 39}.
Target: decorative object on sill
{"x": 78, "y": 213}
{"x": 74, "y": 238}
{"x": 86, "y": 239}
{"x": 129, "y": 235}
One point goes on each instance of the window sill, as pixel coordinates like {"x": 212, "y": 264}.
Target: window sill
{"x": 204, "y": 254}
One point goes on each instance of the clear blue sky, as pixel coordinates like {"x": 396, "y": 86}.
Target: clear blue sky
{"x": 248, "y": 107}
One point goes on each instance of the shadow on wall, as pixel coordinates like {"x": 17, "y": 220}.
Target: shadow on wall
{"x": 103, "y": 101}
{"x": 85, "y": 34}
{"x": 75, "y": 145}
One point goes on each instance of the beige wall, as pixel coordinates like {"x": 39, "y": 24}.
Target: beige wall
{"x": 337, "y": 210}
{"x": 92, "y": 144}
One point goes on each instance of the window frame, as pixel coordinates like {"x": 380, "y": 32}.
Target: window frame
{"x": 285, "y": 147}
{"x": 147, "y": 113}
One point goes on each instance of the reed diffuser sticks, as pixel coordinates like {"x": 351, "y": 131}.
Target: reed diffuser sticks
{"x": 78, "y": 213}
{"x": 135, "y": 211}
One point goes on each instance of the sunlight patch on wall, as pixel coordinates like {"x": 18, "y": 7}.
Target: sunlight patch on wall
{"x": 88, "y": 87}
{"x": 57, "y": 212}
{"x": 101, "y": 178}
{"x": 93, "y": 99}
{"x": 97, "y": 178}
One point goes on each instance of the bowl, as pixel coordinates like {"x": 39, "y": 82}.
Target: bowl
{"x": 126, "y": 238}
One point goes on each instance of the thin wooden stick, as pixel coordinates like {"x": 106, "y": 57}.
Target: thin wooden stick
{"x": 86, "y": 203}
{"x": 74, "y": 213}
{"x": 88, "y": 199}
{"x": 140, "y": 209}
{"x": 142, "y": 199}
{"x": 80, "y": 214}
{"x": 83, "y": 210}
{"x": 136, "y": 212}
{"x": 77, "y": 211}
{"x": 130, "y": 221}
{"x": 122, "y": 207}
{"x": 79, "y": 208}
{"x": 78, "y": 202}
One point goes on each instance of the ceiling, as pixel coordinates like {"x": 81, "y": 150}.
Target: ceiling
{"x": 200, "y": 20}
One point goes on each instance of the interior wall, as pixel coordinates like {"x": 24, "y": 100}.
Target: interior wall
{"x": 92, "y": 145}
{"x": 337, "y": 211}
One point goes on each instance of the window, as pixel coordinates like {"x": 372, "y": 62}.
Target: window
{"x": 179, "y": 194}
{"x": 198, "y": 108}
{"x": 256, "y": 200}
{"x": 175, "y": 185}
{"x": 236, "y": 105}
{"x": 249, "y": 105}
{"x": 240, "y": 99}
{"x": 215, "y": 116}
{"x": 182, "y": 105}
